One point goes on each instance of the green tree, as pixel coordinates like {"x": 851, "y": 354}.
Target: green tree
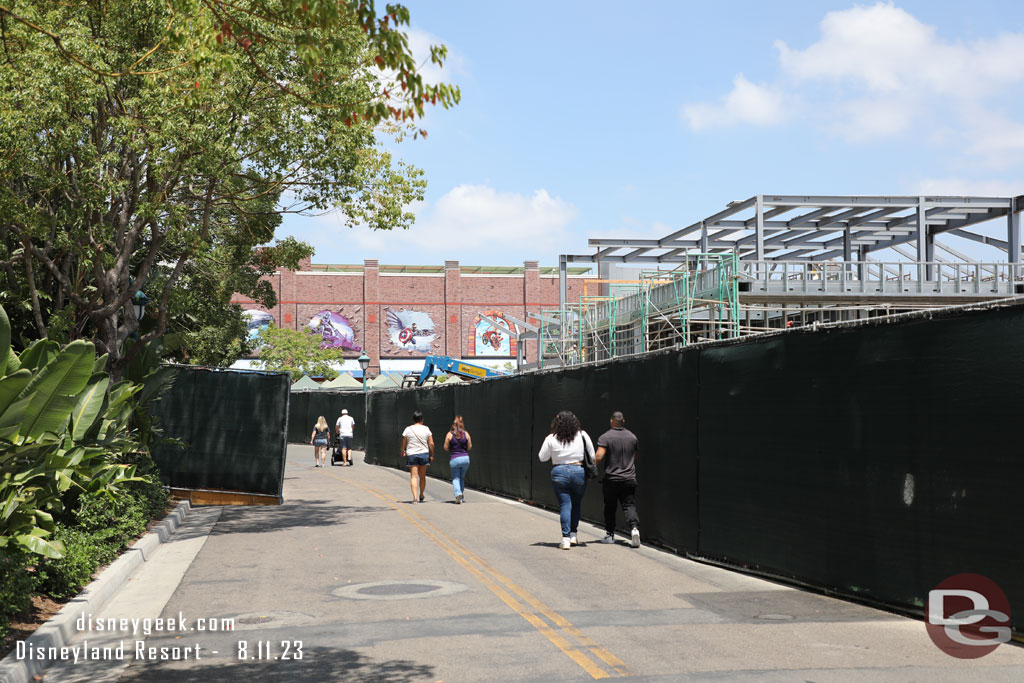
{"x": 148, "y": 144}
{"x": 297, "y": 351}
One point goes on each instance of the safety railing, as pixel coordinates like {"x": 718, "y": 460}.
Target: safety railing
{"x": 876, "y": 277}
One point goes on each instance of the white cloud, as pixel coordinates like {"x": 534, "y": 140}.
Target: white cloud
{"x": 478, "y": 216}
{"x": 961, "y": 187}
{"x": 419, "y": 44}
{"x": 876, "y": 72}
{"x": 473, "y": 223}
{"x": 748, "y": 103}
{"x": 884, "y": 49}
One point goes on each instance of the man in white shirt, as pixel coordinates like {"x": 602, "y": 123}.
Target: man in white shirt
{"x": 344, "y": 427}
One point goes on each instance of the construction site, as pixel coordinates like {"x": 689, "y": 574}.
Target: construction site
{"x": 773, "y": 262}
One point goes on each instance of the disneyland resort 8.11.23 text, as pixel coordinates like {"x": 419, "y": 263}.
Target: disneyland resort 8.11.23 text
{"x": 110, "y": 642}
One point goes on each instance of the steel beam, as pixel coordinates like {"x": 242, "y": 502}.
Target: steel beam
{"x": 991, "y": 241}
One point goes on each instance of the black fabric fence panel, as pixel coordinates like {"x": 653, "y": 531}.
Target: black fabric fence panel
{"x": 233, "y": 427}
{"x": 658, "y": 396}
{"x": 498, "y": 419}
{"x": 299, "y": 426}
{"x": 307, "y": 406}
{"x": 875, "y": 461}
{"x": 389, "y": 412}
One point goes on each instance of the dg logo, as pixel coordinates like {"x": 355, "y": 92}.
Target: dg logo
{"x": 968, "y": 616}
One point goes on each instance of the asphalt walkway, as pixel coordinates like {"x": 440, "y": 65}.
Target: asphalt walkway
{"x": 351, "y": 581}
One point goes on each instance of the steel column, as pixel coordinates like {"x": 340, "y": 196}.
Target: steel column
{"x": 759, "y": 229}
{"x": 924, "y": 246}
{"x": 563, "y": 283}
{"x": 1013, "y": 240}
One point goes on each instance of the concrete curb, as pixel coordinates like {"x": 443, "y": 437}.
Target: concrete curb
{"x": 60, "y": 629}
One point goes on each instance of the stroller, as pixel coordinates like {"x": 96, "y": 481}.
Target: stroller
{"x": 336, "y": 449}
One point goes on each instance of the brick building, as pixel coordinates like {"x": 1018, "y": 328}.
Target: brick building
{"x": 407, "y": 312}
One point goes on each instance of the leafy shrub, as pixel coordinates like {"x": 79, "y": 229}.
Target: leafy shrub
{"x": 17, "y": 582}
{"x": 65, "y": 576}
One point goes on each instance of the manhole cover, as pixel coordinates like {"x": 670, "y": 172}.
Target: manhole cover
{"x": 398, "y": 590}
{"x": 776, "y": 617}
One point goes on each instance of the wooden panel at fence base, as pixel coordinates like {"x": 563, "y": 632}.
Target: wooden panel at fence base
{"x": 206, "y": 497}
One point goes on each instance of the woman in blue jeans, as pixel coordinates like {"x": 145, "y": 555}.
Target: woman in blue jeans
{"x": 458, "y": 443}
{"x": 564, "y": 447}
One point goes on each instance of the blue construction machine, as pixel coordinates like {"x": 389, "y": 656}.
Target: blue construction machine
{"x": 453, "y": 366}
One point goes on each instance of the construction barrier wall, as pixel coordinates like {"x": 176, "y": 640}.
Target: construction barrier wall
{"x": 306, "y": 406}
{"x": 872, "y": 460}
{"x": 231, "y": 424}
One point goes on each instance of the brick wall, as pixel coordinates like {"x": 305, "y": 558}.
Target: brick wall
{"x": 450, "y": 303}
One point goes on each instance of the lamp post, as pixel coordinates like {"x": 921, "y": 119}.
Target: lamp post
{"x": 364, "y": 364}
{"x": 139, "y": 301}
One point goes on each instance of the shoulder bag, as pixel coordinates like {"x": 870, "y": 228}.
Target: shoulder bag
{"x": 589, "y": 466}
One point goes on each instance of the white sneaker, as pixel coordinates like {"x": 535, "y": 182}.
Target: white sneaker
{"x": 635, "y": 538}
{"x": 573, "y": 540}
{"x": 564, "y": 545}
{"x": 608, "y": 539}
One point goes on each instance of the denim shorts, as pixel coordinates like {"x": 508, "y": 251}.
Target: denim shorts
{"x": 345, "y": 442}
{"x": 415, "y": 459}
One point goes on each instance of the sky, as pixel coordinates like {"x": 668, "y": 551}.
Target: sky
{"x": 583, "y": 119}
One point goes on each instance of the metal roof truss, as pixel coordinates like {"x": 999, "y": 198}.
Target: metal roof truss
{"x": 780, "y": 227}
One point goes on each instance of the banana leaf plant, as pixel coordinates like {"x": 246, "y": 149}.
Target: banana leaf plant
{"x": 63, "y": 426}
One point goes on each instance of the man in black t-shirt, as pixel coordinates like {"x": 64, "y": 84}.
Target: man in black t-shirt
{"x": 618, "y": 449}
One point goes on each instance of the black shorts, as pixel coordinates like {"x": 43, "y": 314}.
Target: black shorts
{"x": 345, "y": 442}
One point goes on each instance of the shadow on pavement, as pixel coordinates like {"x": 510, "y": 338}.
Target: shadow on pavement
{"x": 303, "y": 513}
{"x": 319, "y": 664}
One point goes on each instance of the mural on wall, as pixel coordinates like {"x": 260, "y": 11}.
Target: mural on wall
{"x": 410, "y": 330}
{"x": 335, "y": 330}
{"x": 255, "y": 321}
{"x": 487, "y": 340}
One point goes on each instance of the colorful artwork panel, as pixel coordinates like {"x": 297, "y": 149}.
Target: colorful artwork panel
{"x": 490, "y": 341}
{"x": 410, "y": 330}
{"x": 335, "y": 330}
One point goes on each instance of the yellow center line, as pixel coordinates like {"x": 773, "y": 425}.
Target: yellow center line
{"x": 556, "y": 618}
{"x": 491, "y": 579}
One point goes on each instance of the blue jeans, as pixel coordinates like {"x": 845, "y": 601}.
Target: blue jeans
{"x": 569, "y": 484}
{"x": 460, "y": 466}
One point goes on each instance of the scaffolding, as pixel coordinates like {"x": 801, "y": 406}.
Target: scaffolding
{"x": 695, "y": 302}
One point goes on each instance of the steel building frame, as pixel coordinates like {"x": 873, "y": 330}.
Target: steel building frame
{"x": 820, "y": 228}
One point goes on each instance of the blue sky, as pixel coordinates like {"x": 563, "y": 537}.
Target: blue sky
{"x": 609, "y": 119}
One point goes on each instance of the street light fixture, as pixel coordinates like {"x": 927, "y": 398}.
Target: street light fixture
{"x": 364, "y": 364}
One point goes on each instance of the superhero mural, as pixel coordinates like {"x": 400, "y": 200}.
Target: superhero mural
{"x": 410, "y": 330}
{"x": 335, "y": 330}
{"x": 487, "y": 340}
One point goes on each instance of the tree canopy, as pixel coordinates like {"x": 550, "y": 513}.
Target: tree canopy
{"x": 300, "y": 352}
{"x": 151, "y": 145}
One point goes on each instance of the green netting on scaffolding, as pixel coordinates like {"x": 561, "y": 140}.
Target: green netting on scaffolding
{"x": 697, "y": 302}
